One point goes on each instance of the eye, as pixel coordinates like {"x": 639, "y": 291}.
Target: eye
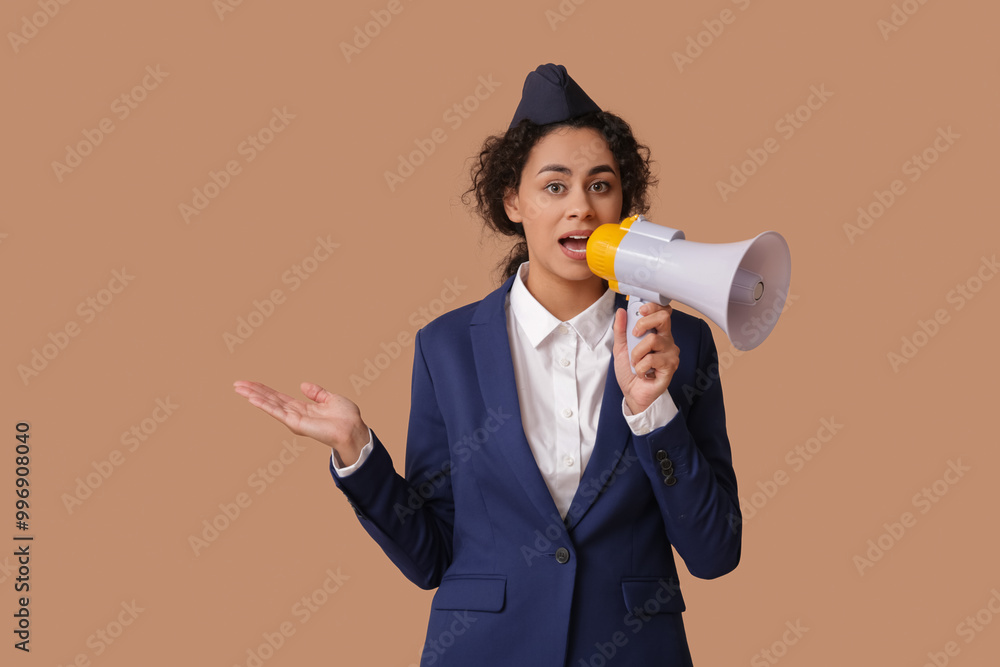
{"x": 555, "y": 188}
{"x": 600, "y": 186}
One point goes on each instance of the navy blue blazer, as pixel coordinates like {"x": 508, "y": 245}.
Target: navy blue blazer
{"x": 517, "y": 584}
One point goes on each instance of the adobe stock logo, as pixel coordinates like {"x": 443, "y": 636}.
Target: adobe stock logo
{"x": 223, "y": 7}
{"x": 372, "y": 367}
{"x": 31, "y": 25}
{"x": 122, "y": 107}
{"x": 303, "y": 610}
{"x": 252, "y": 146}
{"x": 230, "y": 511}
{"x": 959, "y": 297}
{"x": 968, "y": 629}
{"x": 566, "y": 8}
{"x": 924, "y": 501}
{"x": 900, "y": 15}
{"x": 104, "y": 637}
{"x": 779, "y": 648}
{"x": 422, "y": 492}
{"x": 916, "y": 166}
{"x": 59, "y": 340}
{"x": 104, "y": 468}
{"x": 264, "y": 309}
{"x": 786, "y": 126}
{"x": 454, "y": 116}
{"x": 696, "y": 44}
{"x": 797, "y": 458}
{"x": 363, "y": 35}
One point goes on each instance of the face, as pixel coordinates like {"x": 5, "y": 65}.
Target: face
{"x": 570, "y": 185}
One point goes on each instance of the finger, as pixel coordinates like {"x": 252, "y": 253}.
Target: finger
{"x": 270, "y": 407}
{"x": 665, "y": 362}
{"x": 315, "y": 392}
{"x": 652, "y": 342}
{"x": 271, "y": 402}
{"x": 654, "y": 319}
{"x": 244, "y": 387}
{"x": 655, "y": 351}
{"x": 272, "y": 394}
{"x": 247, "y": 387}
{"x": 247, "y": 390}
{"x": 645, "y": 368}
{"x": 652, "y": 306}
{"x": 252, "y": 384}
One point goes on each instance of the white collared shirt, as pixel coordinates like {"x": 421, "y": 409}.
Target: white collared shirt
{"x": 560, "y": 369}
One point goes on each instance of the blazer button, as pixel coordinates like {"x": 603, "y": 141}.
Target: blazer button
{"x": 562, "y": 555}
{"x": 661, "y": 455}
{"x": 670, "y": 480}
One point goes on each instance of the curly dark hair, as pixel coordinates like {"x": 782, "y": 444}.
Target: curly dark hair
{"x": 503, "y": 156}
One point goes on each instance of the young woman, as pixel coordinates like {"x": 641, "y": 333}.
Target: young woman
{"x": 545, "y": 482}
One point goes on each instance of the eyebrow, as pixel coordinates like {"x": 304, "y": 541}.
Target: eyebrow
{"x": 599, "y": 169}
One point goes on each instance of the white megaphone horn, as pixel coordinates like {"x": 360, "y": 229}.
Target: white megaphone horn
{"x": 740, "y": 286}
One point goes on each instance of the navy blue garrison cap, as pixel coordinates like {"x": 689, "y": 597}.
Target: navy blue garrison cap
{"x": 550, "y": 95}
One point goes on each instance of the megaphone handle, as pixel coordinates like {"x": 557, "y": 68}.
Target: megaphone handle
{"x": 634, "y": 303}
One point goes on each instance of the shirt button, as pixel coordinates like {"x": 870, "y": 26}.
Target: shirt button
{"x": 567, "y": 413}
{"x": 568, "y": 460}
{"x": 562, "y": 555}
{"x": 562, "y": 328}
{"x": 564, "y": 362}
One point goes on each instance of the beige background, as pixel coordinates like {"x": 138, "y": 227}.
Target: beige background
{"x": 323, "y": 176}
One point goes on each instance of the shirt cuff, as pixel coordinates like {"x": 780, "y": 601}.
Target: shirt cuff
{"x": 344, "y": 471}
{"x": 658, "y": 414}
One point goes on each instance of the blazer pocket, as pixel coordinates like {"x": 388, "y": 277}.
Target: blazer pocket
{"x": 652, "y": 595}
{"x": 471, "y": 592}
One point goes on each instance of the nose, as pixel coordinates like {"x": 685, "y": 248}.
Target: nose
{"x": 579, "y": 205}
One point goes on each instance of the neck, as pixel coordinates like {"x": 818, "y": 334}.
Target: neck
{"x": 565, "y": 299}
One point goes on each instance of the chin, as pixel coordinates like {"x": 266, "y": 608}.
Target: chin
{"x": 582, "y": 274}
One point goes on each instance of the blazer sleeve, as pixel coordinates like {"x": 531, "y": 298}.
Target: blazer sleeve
{"x": 689, "y": 462}
{"x": 410, "y": 517}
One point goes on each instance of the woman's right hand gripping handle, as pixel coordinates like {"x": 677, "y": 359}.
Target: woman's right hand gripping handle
{"x": 331, "y": 419}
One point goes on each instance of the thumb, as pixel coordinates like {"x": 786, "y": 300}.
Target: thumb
{"x": 621, "y": 319}
{"x": 315, "y": 392}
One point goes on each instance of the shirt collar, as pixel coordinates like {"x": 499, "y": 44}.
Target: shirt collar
{"x": 537, "y": 322}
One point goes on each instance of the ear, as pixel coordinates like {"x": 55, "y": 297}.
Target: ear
{"x": 512, "y": 205}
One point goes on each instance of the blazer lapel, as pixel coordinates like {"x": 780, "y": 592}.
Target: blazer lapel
{"x": 495, "y": 369}
{"x": 611, "y": 441}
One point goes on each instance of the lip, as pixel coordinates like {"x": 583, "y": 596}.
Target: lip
{"x": 578, "y": 256}
{"x": 577, "y": 232}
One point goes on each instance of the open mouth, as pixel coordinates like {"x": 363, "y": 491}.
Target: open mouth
{"x": 575, "y": 243}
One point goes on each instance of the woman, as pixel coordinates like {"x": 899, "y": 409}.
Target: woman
{"x": 545, "y": 481}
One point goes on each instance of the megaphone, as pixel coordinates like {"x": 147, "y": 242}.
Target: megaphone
{"x": 740, "y": 286}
